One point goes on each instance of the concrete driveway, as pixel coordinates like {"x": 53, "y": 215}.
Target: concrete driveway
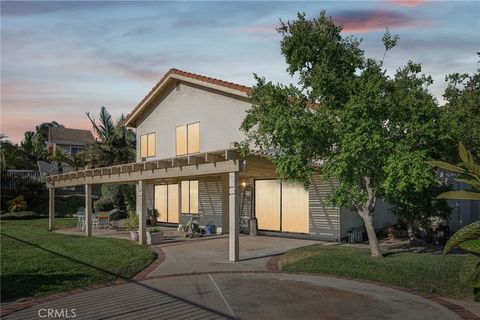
{"x": 196, "y": 281}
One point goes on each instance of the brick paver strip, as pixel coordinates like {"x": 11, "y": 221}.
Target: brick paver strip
{"x": 271, "y": 266}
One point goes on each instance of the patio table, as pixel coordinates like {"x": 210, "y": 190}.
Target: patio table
{"x": 81, "y": 219}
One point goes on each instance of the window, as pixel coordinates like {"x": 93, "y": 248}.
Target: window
{"x": 147, "y": 145}
{"x": 188, "y": 139}
{"x": 190, "y": 196}
{"x": 75, "y": 150}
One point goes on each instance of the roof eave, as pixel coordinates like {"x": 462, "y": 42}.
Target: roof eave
{"x": 130, "y": 121}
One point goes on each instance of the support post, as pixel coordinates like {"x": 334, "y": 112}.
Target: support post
{"x": 142, "y": 211}
{"x": 234, "y": 216}
{"x": 88, "y": 210}
{"x": 51, "y": 209}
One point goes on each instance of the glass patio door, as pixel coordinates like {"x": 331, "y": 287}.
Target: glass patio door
{"x": 166, "y": 202}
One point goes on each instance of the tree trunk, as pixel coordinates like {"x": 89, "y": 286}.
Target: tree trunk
{"x": 367, "y": 215}
{"x": 372, "y": 236}
{"x": 411, "y": 231}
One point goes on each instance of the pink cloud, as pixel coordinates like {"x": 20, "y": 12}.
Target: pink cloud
{"x": 409, "y": 3}
{"x": 365, "y": 21}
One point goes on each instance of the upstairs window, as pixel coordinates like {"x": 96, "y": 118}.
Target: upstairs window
{"x": 147, "y": 145}
{"x": 75, "y": 150}
{"x": 190, "y": 196}
{"x": 187, "y": 139}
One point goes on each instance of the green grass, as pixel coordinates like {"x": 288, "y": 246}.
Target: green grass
{"x": 36, "y": 262}
{"x": 428, "y": 272}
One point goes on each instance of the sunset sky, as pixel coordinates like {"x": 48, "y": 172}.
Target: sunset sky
{"x": 62, "y": 59}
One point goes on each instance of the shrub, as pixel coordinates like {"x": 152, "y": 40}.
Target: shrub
{"x": 103, "y": 204}
{"x": 18, "y": 204}
{"x": 129, "y": 196}
{"x": 21, "y": 215}
{"x": 132, "y": 222}
{"x": 114, "y": 193}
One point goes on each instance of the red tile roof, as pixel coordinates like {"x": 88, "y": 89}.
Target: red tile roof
{"x": 190, "y": 75}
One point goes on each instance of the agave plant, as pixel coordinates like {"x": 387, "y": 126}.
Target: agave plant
{"x": 468, "y": 237}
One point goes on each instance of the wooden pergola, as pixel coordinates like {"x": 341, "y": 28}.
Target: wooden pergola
{"x": 227, "y": 161}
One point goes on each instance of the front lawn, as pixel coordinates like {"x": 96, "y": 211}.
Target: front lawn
{"x": 428, "y": 272}
{"x": 36, "y": 262}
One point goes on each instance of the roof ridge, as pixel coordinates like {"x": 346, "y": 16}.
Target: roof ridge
{"x": 191, "y": 75}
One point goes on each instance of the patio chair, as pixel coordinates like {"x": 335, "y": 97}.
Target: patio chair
{"x": 81, "y": 218}
{"x": 103, "y": 220}
{"x": 115, "y": 217}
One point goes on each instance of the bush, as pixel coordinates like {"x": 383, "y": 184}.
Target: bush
{"x": 103, "y": 204}
{"x": 35, "y": 194}
{"x": 21, "y": 215}
{"x": 129, "y": 196}
{"x": 114, "y": 193}
{"x": 132, "y": 222}
{"x": 18, "y": 204}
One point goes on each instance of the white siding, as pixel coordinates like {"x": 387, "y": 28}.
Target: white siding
{"x": 324, "y": 222}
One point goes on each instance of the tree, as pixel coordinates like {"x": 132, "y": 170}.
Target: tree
{"x": 116, "y": 144}
{"x": 34, "y": 144}
{"x": 11, "y": 156}
{"x": 58, "y": 158}
{"x": 77, "y": 161}
{"x": 462, "y": 110}
{"x": 347, "y": 117}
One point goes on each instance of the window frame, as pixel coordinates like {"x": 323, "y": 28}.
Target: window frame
{"x": 148, "y": 135}
{"x": 187, "y": 151}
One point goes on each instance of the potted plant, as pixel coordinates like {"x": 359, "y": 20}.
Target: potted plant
{"x": 132, "y": 225}
{"x": 154, "y": 236}
{"x": 152, "y": 216}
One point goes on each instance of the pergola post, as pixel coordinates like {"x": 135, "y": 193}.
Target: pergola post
{"x": 142, "y": 211}
{"x": 88, "y": 210}
{"x": 51, "y": 209}
{"x": 234, "y": 216}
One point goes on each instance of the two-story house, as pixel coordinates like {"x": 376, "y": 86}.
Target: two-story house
{"x": 187, "y": 114}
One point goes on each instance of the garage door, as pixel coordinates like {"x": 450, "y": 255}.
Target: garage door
{"x": 281, "y": 206}
{"x": 166, "y": 202}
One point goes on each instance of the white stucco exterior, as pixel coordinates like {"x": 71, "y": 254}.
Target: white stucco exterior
{"x": 219, "y": 114}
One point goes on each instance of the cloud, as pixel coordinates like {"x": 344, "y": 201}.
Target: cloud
{"x": 409, "y": 3}
{"x": 365, "y": 21}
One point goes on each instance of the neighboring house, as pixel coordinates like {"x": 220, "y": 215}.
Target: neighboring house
{"x": 71, "y": 141}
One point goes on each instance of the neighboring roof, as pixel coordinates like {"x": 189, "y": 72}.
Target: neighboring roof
{"x": 74, "y": 137}
{"x": 175, "y": 74}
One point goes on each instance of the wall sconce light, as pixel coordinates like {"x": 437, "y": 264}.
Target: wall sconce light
{"x": 244, "y": 184}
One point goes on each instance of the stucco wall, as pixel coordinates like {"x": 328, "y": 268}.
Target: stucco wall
{"x": 219, "y": 115}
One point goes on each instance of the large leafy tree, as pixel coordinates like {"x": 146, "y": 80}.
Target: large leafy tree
{"x": 462, "y": 110}
{"x": 115, "y": 143}
{"x": 347, "y": 117}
